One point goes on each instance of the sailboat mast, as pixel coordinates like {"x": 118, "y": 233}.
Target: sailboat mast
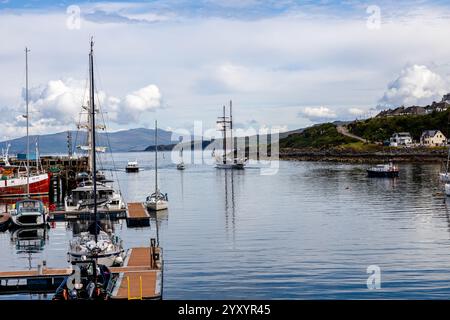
{"x": 27, "y": 117}
{"x": 156, "y": 156}
{"x": 231, "y": 130}
{"x": 92, "y": 125}
{"x": 224, "y": 137}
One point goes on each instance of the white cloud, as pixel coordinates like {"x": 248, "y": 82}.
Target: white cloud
{"x": 318, "y": 113}
{"x": 58, "y": 103}
{"x": 416, "y": 85}
{"x": 269, "y": 64}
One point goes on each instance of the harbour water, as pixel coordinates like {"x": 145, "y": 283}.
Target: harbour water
{"x": 308, "y": 232}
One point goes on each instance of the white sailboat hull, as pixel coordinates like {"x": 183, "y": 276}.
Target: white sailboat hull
{"x": 157, "y": 206}
{"x": 447, "y": 189}
{"x": 107, "y": 259}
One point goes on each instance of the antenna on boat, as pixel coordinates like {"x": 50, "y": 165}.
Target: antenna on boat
{"x": 27, "y": 117}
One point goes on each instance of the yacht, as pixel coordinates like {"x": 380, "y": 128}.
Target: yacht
{"x": 132, "y": 166}
{"x": 181, "y": 166}
{"x": 80, "y": 198}
{"x": 157, "y": 200}
{"x": 108, "y": 248}
{"x": 29, "y": 213}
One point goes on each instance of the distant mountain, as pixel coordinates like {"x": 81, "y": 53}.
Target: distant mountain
{"x": 120, "y": 141}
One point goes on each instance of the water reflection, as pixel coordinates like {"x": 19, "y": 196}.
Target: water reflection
{"x": 28, "y": 241}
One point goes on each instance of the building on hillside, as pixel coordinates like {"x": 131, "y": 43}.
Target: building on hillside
{"x": 400, "y": 139}
{"x": 433, "y": 138}
{"x": 415, "y": 110}
{"x": 402, "y": 111}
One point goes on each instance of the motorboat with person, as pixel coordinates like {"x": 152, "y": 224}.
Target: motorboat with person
{"x": 383, "y": 170}
{"x": 132, "y": 166}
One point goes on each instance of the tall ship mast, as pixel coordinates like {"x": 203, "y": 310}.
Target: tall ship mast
{"x": 107, "y": 198}
{"x": 16, "y": 182}
{"x": 226, "y": 123}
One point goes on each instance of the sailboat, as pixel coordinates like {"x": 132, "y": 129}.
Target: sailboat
{"x": 29, "y": 212}
{"x": 181, "y": 165}
{"x": 157, "y": 200}
{"x": 445, "y": 176}
{"x": 106, "y": 248}
{"x": 225, "y": 162}
{"x": 80, "y": 199}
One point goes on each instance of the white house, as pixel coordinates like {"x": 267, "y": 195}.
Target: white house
{"x": 400, "y": 139}
{"x": 433, "y": 138}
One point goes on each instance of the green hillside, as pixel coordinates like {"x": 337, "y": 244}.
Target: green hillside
{"x": 380, "y": 129}
{"x": 320, "y": 136}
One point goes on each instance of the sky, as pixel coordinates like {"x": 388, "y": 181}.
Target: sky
{"x": 285, "y": 64}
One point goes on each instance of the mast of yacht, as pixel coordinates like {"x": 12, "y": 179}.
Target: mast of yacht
{"x": 92, "y": 150}
{"x": 156, "y": 156}
{"x": 92, "y": 131}
{"x": 27, "y": 117}
{"x": 224, "y": 137}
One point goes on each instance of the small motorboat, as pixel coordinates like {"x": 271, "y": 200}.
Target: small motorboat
{"x": 383, "y": 170}
{"x": 29, "y": 213}
{"x": 132, "y": 166}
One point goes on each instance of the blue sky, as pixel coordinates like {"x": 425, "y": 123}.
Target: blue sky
{"x": 284, "y": 63}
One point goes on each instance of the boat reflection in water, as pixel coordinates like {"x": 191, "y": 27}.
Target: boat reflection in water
{"x": 29, "y": 240}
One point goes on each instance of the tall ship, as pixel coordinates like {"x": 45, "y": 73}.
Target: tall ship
{"x": 81, "y": 198}
{"x": 225, "y": 161}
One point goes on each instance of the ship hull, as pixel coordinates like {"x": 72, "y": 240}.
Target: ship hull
{"x": 39, "y": 184}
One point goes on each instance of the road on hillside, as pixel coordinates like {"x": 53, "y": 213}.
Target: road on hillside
{"x": 344, "y": 131}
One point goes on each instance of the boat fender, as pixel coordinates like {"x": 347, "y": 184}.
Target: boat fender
{"x": 65, "y": 295}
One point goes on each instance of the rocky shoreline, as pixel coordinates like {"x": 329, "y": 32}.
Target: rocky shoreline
{"x": 413, "y": 155}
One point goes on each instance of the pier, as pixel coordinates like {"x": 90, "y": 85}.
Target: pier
{"x": 137, "y": 215}
{"x": 140, "y": 277}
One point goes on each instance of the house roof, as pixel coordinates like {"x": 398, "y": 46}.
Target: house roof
{"x": 430, "y": 133}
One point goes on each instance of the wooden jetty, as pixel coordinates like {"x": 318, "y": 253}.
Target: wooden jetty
{"x": 137, "y": 215}
{"x": 140, "y": 277}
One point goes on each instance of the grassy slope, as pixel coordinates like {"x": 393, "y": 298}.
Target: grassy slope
{"x": 317, "y": 137}
{"x": 380, "y": 129}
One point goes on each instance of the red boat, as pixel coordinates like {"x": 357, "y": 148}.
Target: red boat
{"x": 16, "y": 186}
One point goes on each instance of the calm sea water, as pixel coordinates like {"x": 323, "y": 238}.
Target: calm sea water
{"x": 308, "y": 232}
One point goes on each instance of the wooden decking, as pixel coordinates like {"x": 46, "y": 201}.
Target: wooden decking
{"x": 137, "y": 215}
{"x": 139, "y": 278}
